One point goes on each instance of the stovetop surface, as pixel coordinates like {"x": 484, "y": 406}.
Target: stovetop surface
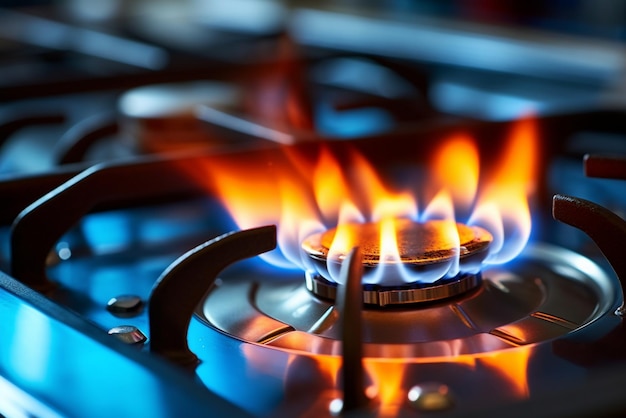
{"x": 56, "y": 343}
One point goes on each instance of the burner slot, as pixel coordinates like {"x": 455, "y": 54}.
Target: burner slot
{"x": 235, "y": 309}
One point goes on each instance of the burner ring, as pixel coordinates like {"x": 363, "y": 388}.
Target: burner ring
{"x": 549, "y": 293}
{"x": 425, "y": 252}
{"x": 398, "y": 295}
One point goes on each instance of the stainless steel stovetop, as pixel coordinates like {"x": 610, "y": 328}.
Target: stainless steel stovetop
{"x": 129, "y": 289}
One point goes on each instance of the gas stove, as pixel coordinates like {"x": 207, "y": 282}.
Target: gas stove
{"x": 260, "y": 232}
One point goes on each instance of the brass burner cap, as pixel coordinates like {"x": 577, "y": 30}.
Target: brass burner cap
{"x": 418, "y": 243}
{"x": 426, "y": 247}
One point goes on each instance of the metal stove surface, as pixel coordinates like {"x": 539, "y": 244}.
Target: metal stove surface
{"x": 92, "y": 263}
{"x": 56, "y": 358}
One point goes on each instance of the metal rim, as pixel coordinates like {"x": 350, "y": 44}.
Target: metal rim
{"x": 546, "y": 314}
{"x": 399, "y": 295}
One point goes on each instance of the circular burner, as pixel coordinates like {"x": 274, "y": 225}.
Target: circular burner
{"x": 424, "y": 250}
{"x": 547, "y": 293}
{"x": 399, "y": 295}
{"x": 419, "y": 244}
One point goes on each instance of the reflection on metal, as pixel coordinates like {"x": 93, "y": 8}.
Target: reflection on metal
{"x": 608, "y": 167}
{"x": 603, "y": 226}
{"x": 547, "y": 293}
{"x": 246, "y": 129}
{"x": 475, "y": 47}
{"x": 182, "y": 285}
{"x": 33, "y": 30}
{"x": 430, "y": 396}
{"x": 62, "y": 252}
{"x": 349, "y": 302}
{"x": 510, "y": 338}
{"x": 74, "y": 144}
{"x": 606, "y": 228}
{"x": 162, "y": 117}
{"x": 16, "y": 402}
{"x": 125, "y": 305}
{"x": 37, "y": 332}
{"x": 159, "y": 101}
{"x": 335, "y": 407}
{"x": 555, "y": 320}
{"x": 247, "y": 322}
{"x": 128, "y": 334}
{"x": 398, "y": 295}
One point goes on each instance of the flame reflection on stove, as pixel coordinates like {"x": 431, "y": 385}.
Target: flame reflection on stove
{"x": 513, "y": 365}
{"x": 329, "y": 367}
{"x": 304, "y": 197}
{"x": 389, "y": 380}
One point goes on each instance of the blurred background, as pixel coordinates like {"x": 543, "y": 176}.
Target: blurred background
{"x": 156, "y": 74}
{"x": 563, "y": 54}
{"x": 94, "y": 80}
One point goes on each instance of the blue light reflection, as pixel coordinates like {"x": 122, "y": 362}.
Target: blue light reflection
{"x": 70, "y": 372}
{"x": 351, "y": 123}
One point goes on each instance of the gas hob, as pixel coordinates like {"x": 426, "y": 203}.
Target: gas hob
{"x": 186, "y": 263}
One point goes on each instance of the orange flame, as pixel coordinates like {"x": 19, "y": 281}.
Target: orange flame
{"x": 388, "y": 375}
{"x": 330, "y": 186}
{"x": 380, "y": 202}
{"x": 329, "y": 366}
{"x": 387, "y": 385}
{"x": 458, "y": 168}
{"x": 304, "y": 198}
{"x": 513, "y": 365}
{"x": 503, "y": 207}
{"x": 391, "y": 378}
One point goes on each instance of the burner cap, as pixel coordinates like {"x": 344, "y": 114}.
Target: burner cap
{"x": 425, "y": 250}
{"x": 418, "y": 243}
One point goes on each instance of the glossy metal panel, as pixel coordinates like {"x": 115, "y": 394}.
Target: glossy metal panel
{"x": 547, "y": 293}
{"x": 72, "y": 367}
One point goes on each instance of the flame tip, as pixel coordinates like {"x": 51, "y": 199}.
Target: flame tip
{"x": 305, "y": 194}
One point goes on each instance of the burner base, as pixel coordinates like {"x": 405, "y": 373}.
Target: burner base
{"x": 398, "y": 295}
{"x": 547, "y": 293}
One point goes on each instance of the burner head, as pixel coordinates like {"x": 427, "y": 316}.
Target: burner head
{"x": 419, "y": 272}
{"x": 546, "y": 294}
{"x": 418, "y": 243}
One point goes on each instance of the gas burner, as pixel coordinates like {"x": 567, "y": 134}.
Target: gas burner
{"x": 398, "y": 295}
{"x": 423, "y": 249}
{"x": 547, "y": 293}
{"x": 546, "y": 312}
{"x": 119, "y": 290}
